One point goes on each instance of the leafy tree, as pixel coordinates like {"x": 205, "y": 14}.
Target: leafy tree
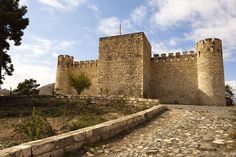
{"x": 12, "y": 24}
{"x": 229, "y": 95}
{"x": 27, "y": 87}
{"x": 79, "y": 82}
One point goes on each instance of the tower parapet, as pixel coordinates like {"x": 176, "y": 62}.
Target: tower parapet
{"x": 64, "y": 67}
{"x": 65, "y": 60}
{"x": 210, "y": 71}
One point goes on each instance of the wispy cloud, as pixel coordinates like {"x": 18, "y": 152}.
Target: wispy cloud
{"x": 161, "y": 47}
{"x": 139, "y": 14}
{"x": 36, "y": 58}
{"x": 109, "y": 26}
{"x": 216, "y": 18}
{"x": 23, "y": 2}
{"x": 63, "y": 4}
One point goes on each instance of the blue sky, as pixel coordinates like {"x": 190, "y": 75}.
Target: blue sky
{"x": 73, "y": 27}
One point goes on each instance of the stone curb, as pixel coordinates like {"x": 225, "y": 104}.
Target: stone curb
{"x": 74, "y": 140}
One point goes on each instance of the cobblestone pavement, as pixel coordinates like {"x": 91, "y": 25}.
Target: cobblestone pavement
{"x": 181, "y": 131}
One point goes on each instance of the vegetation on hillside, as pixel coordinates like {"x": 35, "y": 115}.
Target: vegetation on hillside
{"x": 27, "y": 87}
{"x": 27, "y": 118}
{"x": 35, "y": 127}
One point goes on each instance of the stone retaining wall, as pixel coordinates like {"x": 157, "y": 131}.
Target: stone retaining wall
{"x": 72, "y": 141}
{"x": 101, "y": 100}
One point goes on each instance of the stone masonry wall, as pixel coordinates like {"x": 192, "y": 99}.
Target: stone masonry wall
{"x": 147, "y": 49}
{"x": 121, "y": 65}
{"x": 67, "y": 66}
{"x": 90, "y": 69}
{"x": 174, "y": 78}
{"x": 58, "y": 146}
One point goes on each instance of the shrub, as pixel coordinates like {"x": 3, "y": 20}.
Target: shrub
{"x": 35, "y": 127}
{"x": 84, "y": 121}
{"x": 79, "y": 82}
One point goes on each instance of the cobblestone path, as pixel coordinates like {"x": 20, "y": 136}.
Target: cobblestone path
{"x": 181, "y": 131}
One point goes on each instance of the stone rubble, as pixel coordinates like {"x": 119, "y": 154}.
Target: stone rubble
{"x": 178, "y": 132}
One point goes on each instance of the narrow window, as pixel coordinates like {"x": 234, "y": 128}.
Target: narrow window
{"x": 199, "y": 53}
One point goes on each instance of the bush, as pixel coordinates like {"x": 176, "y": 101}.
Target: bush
{"x": 84, "y": 121}
{"x": 35, "y": 127}
{"x": 79, "y": 82}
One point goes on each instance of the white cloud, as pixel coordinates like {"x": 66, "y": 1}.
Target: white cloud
{"x": 93, "y": 7}
{"x": 62, "y": 4}
{"x": 74, "y": 3}
{"x": 173, "y": 42}
{"x": 214, "y": 18}
{"x": 161, "y": 47}
{"x": 109, "y": 26}
{"x": 37, "y": 47}
{"x": 35, "y": 58}
{"x": 139, "y": 14}
{"x": 42, "y": 73}
{"x": 53, "y": 3}
{"x": 23, "y": 2}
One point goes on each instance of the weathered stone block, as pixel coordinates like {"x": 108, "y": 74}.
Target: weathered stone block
{"x": 57, "y": 153}
{"x": 64, "y": 141}
{"x": 79, "y": 136}
{"x": 44, "y": 155}
{"x": 25, "y": 151}
{"x": 99, "y": 129}
{"x": 73, "y": 147}
{"x": 42, "y": 148}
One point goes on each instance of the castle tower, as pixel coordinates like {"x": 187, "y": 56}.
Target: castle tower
{"x": 124, "y": 65}
{"x": 64, "y": 67}
{"x": 210, "y": 72}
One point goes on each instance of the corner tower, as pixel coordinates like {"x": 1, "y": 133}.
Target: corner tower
{"x": 64, "y": 68}
{"x": 210, "y": 72}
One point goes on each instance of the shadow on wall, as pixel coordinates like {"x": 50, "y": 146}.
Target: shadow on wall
{"x": 175, "y": 80}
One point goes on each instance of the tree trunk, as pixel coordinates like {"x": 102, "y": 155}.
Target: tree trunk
{"x": 1, "y": 57}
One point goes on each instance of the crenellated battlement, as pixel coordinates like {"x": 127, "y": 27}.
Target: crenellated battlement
{"x": 65, "y": 60}
{"x": 87, "y": 63}
{"x": 169, "y": 57}
{"x": 69, "y": 61}
{"x": 209, "y": 42}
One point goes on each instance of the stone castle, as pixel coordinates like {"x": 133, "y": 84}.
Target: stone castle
{"x": 126, "y": 67}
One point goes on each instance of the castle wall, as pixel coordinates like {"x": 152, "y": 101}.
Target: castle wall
{"x": 121, "y": 65}
{"x": 67, "y": 66}
{"x": 90, "y": 69}
{"x": 174, "y": 78}
{"x": 146, "y": 68}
